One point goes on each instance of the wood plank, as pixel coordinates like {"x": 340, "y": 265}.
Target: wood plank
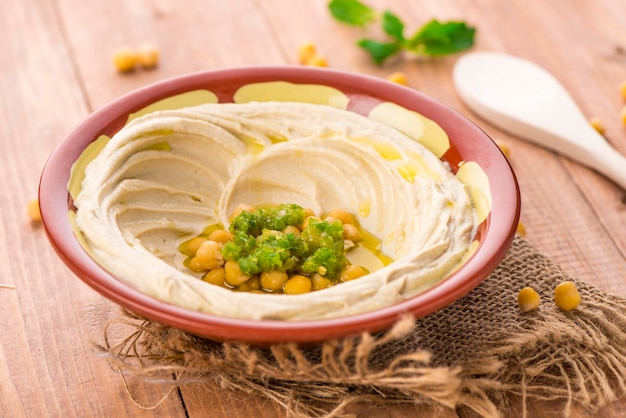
{"x": 191, "y": 36}
{"x": 47, "y": 363}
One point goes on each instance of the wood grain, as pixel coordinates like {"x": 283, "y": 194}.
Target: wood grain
{"x": 55, "y": 69}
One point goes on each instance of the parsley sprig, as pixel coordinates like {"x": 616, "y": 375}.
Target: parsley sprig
{"x": 433, "y": 39}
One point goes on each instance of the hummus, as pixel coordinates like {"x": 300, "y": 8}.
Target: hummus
{"x": 168, "y": 174}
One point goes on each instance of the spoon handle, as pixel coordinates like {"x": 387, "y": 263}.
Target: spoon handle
{"x": 606, "y": 160}
{"x": 617, "y": 171}
{"x": 577, "y": 140}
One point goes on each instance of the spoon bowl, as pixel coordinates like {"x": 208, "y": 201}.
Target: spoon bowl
{"x": 525, "y": 100}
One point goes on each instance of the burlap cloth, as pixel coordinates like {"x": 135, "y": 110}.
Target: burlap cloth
{"x": 478, "y": 353}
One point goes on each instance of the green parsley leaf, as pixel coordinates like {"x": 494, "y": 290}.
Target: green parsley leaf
{"x": 436, "y": 38}
{"x": 379, "y": 51}
{"x": 393, "y": 26}
{"x": 259, "y": 244}
{"x": 433, "y": 39}
{"x": 352, "y": 12}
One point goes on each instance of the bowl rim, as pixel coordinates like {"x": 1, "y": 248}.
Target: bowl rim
{"x": 54, "y": 204}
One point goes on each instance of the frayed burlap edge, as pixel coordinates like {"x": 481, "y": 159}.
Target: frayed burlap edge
{"x": 575, "y": 357}
{"x": 339, "y": 374}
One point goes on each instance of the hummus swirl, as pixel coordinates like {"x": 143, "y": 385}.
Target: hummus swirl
{"x": 167, "y": 175}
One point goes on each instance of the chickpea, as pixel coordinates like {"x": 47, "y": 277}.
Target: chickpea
{"x": 319, "y": 282}
{"x": 351, "y": 232}
{"x": 528, "y": 299}
{"x": 194, "y": 264}
{"x": 566, "y": 296}
{"x": 305, "y": 224}
{"x": 148, "y": 56}
{"x": 622, "y": 115}
{"x": 622, "y": 90}
{"x": 124, "y": 59}
{"x": 234, "y": 275}
{"x": 190, "y": 248}
{"x": 240, "y": 209}
{"x": 317, "y": 60}
{"x": 290, "y": 229}
{"x": 398, "y": 77}
{"x": 598, "y": 125}
{"x": 221, "y": 236}
{"x": 505, "y": 149}
{"x": 306, "y": 51}
{"x": 344, "y": 216}
{"x": 273, "y": 280}
{"x": 32, "y": 210}
{"x": 209, "y": 255}
{"x": 297, "y": 284}
{"x": 253, "y": 283}
{"x": 521, "y": 230}
{"x": 217, "y": 276}
{"x": 351, "y": 272}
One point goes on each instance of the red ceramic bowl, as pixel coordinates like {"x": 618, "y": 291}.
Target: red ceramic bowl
{"x": 467, "y": 143}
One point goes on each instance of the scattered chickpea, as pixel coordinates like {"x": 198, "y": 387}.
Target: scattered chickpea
{"x": 622, "y": 115}
{"x": 398, "y": 77}
{"x": 148, "y": 56}
{"x": 566, "y": 296}
{"x": 124, "y": 59}
{"x": 308, "y": 55}
{"x": 32, "y": 210}
{"x": 504, "y": 148}
{"x": 521, "y": 229}
{"x": 317, "y": 60}
{"x": 306, "y": 51}
{"x": 528, "y": 299}
{"x": 598, "y": 125}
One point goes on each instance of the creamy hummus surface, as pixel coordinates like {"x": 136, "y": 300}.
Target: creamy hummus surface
{"x": 167, "y": 175}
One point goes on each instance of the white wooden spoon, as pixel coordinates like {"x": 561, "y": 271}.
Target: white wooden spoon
{"x": 525, "y": 100}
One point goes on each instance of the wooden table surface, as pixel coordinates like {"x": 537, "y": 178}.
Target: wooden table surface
{"x": 55, "y": 69}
